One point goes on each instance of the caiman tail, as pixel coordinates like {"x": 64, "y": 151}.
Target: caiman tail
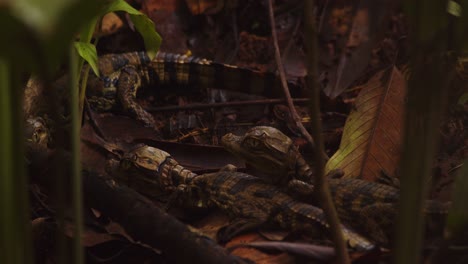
{"x": 194, "y": 72}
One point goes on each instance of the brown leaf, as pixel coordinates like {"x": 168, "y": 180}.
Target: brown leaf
{"x": 210, "y": 224}
{"x": 371, "y": 138}
{"x": 167, "y": 23}
{"x": 355, "y": 52}
{"x": 274, "y": 235}
{"x": 256, "y": 255}
{"x": 126, "y": 130}
{"x": 110, "y": 24}
{"x": 152, "y": 5}
{"x": 90, "y": 236}
{"x": 198, "y": 7}
{"x": 315, "y": 252}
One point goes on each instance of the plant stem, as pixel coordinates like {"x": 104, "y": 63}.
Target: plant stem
{"x": 323, "y": 191}
{"x": 76, "y": 157}
{"x": 320, "y": 156}
{"x": 15, "y": 228}
{"x": 426, "y": 99}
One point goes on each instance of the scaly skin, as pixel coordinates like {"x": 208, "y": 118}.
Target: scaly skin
{"x": 122, "y": 75}
{"x": 364, "y": 205}
{"x": 271, "y": 151}
{"x": 253, "y": 202}
{"x": 246, "y": 198}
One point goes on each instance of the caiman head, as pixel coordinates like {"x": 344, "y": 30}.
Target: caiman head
{"x": 266, "y": 149}
{"x": 36, "y": 131}
{"x": 145, "y": 158}
{"x": 144, "y": 166}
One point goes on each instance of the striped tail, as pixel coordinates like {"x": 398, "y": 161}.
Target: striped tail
{"x": 169, "y": 68}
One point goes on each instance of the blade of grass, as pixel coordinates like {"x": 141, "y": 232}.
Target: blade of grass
{"x": 457, "y": 219}
{"x": 15, "y": 240}
{"x": 83, "y": 82}
{"x": 76, "y": 114}
{"x": 425, "y": 104}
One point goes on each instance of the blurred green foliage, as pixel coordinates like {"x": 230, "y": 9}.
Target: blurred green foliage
{"x": 38, "y": 37}
{"x": 436, "y": 29}
{"x": 457, "y": 219}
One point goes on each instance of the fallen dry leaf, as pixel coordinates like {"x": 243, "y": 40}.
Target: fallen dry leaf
{"x": 372, "y": 136}
{"x": 256, "y": 255}
{"x": 198, "y": 7}
{"x": 110, "y": 24}
{"x": 311, "y": 251}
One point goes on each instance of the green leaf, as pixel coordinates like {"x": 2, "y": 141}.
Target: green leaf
{"x": 142, "y": 23}
{"x": 454, "y": 8}
{"x": 427, "y": 21}
{"x": 15, "y": 236}
{"x": 88, "y": 52}
{"x": 151, "y": 38}
{"x": 86, "y": 33}
{"x": 121, "y": 5}
{"x": 39, "y": 14}
{"x": 71, "y": 20}
{"x": 463, "y": 99}
{"x": 461, "y": 27}
{"x": 21, "y": 44}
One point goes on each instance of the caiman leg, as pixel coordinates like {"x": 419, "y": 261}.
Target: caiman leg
{"x": 385, "y": 178}
{"x": 305, "y": 191}
{"x": 129, "y": 82}
{"x": 300, "y": 190}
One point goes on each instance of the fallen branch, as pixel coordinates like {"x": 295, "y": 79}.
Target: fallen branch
{"x": 140, "y": 218}
{"x": 218, "y": 105}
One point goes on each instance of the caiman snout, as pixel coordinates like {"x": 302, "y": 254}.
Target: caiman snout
{"x": 229, "y": 139}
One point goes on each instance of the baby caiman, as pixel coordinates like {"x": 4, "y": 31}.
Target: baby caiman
{"x": 247, "y": 199}
{"x": 367, "y": 206}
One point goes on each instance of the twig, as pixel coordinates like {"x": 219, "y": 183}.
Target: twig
{"x": 291, "y": 41}
{"x": 92, "y": 120}
{"x": 323, "y": 191}
{"x": 321, "y": 185}
{"x": 322, "y": 16}
{"x": 226, "y": 104}
{"x": 284, "y": 82}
